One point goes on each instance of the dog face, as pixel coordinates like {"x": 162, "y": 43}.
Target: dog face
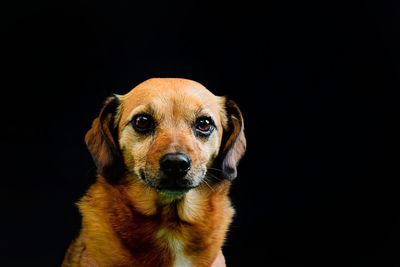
{"x": 168, "y": 133}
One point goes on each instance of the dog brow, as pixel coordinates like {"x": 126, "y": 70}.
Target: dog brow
{"x": 148, "y": 108}
{"x": 201, "y": 111}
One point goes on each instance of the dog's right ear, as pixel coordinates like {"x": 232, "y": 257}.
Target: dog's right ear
{"x": 102, "y": 142}
{"x": 233, "y": 143}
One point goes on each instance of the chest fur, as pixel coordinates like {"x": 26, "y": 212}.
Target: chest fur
{"x": 177, "y": 248}
{"x": 187, "y": 234}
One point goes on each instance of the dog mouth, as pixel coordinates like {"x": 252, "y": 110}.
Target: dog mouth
{"x": 169, "y": 187}
{"x": 173, "y": 193}
{"x": 174, "y": 190}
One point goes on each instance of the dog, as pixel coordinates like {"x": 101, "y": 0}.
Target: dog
{"x": 166, "y": 154}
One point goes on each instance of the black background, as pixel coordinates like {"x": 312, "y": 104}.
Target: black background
{"x": 312, "y": 80}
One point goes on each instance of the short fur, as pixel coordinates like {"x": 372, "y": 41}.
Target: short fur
{"x": 125, "y": 221}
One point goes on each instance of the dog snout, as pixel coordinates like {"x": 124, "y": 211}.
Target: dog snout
{"x": 175, "y": 165}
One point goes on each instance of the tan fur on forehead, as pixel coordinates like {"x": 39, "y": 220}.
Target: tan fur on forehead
{"x": 175, "y": 84}
{"x": 167, "y": 91}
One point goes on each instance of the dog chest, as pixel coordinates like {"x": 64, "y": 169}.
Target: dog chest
{"x": 176, "y": 246}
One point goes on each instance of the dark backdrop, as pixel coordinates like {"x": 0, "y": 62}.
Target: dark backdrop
{"x": 312, "y": 79}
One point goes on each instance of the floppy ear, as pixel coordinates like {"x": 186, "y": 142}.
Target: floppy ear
{"x": 233, "y": 143}
{"x": 102, "y": 142}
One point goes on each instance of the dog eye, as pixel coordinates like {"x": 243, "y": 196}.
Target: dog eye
{"x": 143, "y": 123}
{"x": 204, "y": 126}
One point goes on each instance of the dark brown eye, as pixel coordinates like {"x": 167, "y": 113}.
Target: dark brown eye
{"x": 204, "y": 126}
{"x": 143, "y": 123}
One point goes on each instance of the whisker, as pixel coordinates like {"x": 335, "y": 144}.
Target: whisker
{"x": 205, "y": 181}
{"x": 214, "y": 176}
{"x": 214, "y": 169}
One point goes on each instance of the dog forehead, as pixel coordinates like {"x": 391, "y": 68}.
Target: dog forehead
{"x": 166, "y": 93}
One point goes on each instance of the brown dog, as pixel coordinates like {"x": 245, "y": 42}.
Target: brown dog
{"x": 166, "y": 153}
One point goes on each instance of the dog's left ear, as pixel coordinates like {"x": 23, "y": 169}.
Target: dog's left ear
{"x": 102, "y": 142}
{"x": 233, "y": 143}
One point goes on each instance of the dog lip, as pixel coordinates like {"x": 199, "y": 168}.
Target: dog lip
{"x": 169, "y": 189}
{"x": 174, "y": 192}
{"x": 172, "y": 189}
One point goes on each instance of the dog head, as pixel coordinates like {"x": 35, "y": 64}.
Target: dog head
{"x": 169, "y": 133}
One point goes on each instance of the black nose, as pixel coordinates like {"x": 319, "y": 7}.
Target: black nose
{"x": 175, "y": 164}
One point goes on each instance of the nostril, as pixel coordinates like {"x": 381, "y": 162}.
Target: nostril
{"x": 175, "y": 164}
{"x": 184, "y": 164}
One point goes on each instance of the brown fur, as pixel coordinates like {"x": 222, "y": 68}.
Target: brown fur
{"x": 125, "y": 221}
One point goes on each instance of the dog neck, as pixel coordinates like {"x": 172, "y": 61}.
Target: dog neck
{"x": 147, "y": 229}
